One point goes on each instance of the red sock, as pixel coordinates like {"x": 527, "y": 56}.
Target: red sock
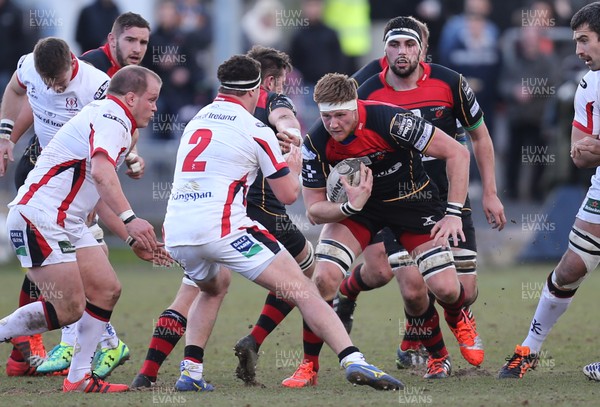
{"x": 453, "y": 312}
{"x": 426, "y": 328}
{"x": 273, "y": 312}
{"x": 169, "y": 329}
{"x": 353, "y": 284}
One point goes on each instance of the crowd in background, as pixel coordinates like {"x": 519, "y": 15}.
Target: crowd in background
{"x": 518, "y": 56}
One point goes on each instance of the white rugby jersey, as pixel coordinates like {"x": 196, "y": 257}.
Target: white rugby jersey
{"x": 220, "y": 152}
{"x": 50, "y": 109}
{"x": 587, "y": 115}
{"x": 61, "y": 183}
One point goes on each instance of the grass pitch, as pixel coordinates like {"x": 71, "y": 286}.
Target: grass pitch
{"x": 507, "y": 301}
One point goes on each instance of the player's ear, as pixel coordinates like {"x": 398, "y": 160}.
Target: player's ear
{"x": 112, "y": 39}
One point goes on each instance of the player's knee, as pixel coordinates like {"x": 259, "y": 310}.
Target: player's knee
{"x": 327, "y": 280}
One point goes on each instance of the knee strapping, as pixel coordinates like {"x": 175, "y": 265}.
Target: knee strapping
{"x": 586, "y": 246}
{"x": 336, "y": 253}
{"x": 434, "y": 261}
{"x": 309, "y": 260}
{"x": 465, "y": 261}
{"x": 401, "y": 259}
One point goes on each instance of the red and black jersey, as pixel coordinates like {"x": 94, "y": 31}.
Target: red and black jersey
{"x": 389, "y": 139}
{"x": 442, "y": 97}
{"x": 102, "y": 60}
{"x": 371, "y": 69}
{"x": 260, "y": 194}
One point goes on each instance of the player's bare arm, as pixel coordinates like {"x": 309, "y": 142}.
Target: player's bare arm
{"x": 320, "y": 210}
{"x": 585, "y": 149}
{"x": 14, "y": 101}
{"x": 444, "y": 147}
{"x": 110, "y": 191}
{"x": 483, "y": 150}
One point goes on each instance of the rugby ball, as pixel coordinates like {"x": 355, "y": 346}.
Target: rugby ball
{"x": 350, "y": 168}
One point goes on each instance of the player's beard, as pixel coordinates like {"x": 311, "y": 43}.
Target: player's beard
{"x": 120, "y": 58}
{"x": 404, "y": 72}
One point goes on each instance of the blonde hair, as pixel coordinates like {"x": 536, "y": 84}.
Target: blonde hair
{"x": 335, "y": 88}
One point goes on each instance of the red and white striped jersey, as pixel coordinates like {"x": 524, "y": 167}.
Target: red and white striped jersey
{"x": 52, "y": 110}
{"x": 61, "y": 183}
{"x": 219, "y": 155}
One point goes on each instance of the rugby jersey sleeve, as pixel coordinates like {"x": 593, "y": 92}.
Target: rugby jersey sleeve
{"x": 586, "y": 116}
{"x": 280, "y": 100}
{"x": 25, "y": 66}
{"x": 466, "y": 107}
{"x": 315, "y": 167}
{"x": 269, "y": 155}
{"x": 110, "y": 135}
{"x": 400, "y": 127}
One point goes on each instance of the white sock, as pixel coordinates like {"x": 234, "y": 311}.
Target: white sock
{"x": 69, "y": 334}
{"x": 89, "y": 331}
{"x": 109, "y": 340}
{"x": 549, "y": 309}
{"x": 27, "y": 320}
{"x": 353, "y": 358}
{"x": 195, "y": 369}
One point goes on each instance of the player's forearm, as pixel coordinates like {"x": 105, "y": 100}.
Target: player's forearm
{"x": 12, "y": 104}
{"x": 483, "y": 150}
{"x": 326, "y": 212}
{"x": 457, "y": 168}
{"x": 111, "y": 220}
{"x": 109, "y": 187}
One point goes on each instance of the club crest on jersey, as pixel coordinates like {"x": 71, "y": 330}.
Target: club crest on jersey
{"x": 18, "y": 241}
{"x": 71, "y": 104}
{"x": 246, "y": 246}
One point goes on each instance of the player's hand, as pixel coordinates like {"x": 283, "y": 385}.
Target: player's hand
{"x": 288, "y": 138}
{"x": 142, "y": 231}
{"x": 358, "y": 195}
{"x": 135, "y": 166}
{"x": 294, "y": 160}
{"x": 589, "y": 144}
{"x": 494, "y": 211}
{"x": 449, "y": 226}
{"x": 158, "y": 257}
{"x": 6, "y": 154}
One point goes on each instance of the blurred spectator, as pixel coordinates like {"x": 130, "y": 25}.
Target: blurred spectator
{"x": 351, "y": 20}
{"x": 259, "y": 25}
{"x": 313, "y": 61}
{"x": 94, "y": 22}
{"x": 528, "y": 79}
{"x": 171, "y": 59}
{"x": 14, "y": 40}
{"x": 469, "y": 45}
{"x": 194, "y": 16}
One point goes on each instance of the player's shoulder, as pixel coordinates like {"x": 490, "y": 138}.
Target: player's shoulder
{"x": 26, "y": 63}
{"x": 444, "y": 74}
{"x": 589, "y": 81}
{"x": 96, "y": 58}
{"x": 370, "y": 86}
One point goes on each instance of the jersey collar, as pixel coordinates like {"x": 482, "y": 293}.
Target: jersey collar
{"x": 127, "y": 112}
{"x": 106, "y": 49}
{"x": 225, "y": 98}
{"x": 426, "y": 73}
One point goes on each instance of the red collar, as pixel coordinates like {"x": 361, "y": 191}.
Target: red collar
{"x": 106, "y": 49}
{"x": 127, "y": 112}
{"x": 226, "y": 98}
{"x": 426, "y": 73}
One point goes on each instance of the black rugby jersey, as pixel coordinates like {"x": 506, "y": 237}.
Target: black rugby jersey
{"x": 260, "y": 193}
{"x": 442, "y": 97}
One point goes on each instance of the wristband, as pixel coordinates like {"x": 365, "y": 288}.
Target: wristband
{"x": 130, "y": 241}
{"x": 127, "y": 216}
{"x": 349, "y": 210}
{"x": 454, "y": 209}
{"x": 6, "y": 128}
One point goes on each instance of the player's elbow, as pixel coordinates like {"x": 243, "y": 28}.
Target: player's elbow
{"x": 286, "y": 189}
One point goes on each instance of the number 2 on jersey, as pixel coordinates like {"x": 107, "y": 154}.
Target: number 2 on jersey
{"x": 201, "y": 138}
